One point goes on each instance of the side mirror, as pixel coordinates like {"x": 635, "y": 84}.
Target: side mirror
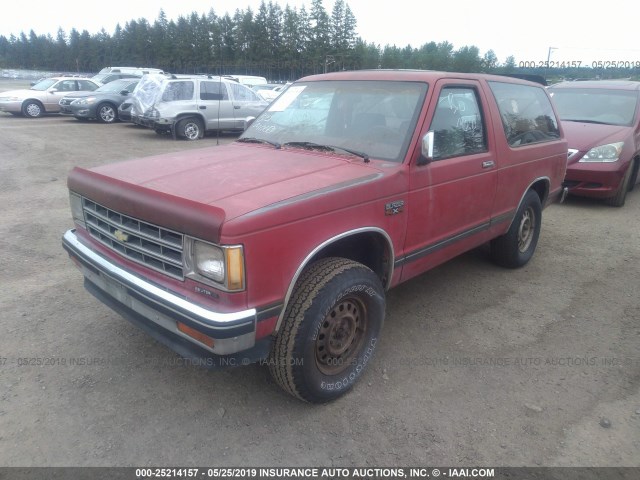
{"x": 53, "y": 90}
{"x": 426, "y": 151}
{"x": 125, "y": 92}
{"x": 248, "y": 121}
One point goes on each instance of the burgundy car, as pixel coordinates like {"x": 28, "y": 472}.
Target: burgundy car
{"x": 602, "y": 124}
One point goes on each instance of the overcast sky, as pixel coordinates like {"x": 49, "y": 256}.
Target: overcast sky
{"x": 573, "y": 30}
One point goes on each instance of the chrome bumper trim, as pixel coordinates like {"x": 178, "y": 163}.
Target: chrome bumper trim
{"x": 208, "y": 319}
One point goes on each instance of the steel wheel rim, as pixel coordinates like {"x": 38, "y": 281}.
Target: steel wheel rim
{"x": 526, "y": 229}
{"x": 33, "y": 110}
{"x": 107, "y": 114}
{"x": 340, "y": 336}
{"x": 191, "y": 131}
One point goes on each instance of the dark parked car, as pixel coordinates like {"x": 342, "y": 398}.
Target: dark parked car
{"x": 101, "y": 104}
{"x": 104, "y": 78}
{"x": 601, "y": 121}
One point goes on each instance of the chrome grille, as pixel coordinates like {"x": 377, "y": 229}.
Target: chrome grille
{"x": 150, "y": 245}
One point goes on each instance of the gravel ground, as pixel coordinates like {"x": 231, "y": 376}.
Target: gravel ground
{"x": 477, "y": 365}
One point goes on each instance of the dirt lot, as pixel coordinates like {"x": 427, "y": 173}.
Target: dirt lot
{"x": 477, "y": 365}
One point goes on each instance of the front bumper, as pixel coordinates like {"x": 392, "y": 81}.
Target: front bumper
{"x": 11, "y": 107}
{"x": 596, "y": 180}
{"x": 78, "y": 112}
{"x": 157, "y": 311}
{"x": 145, "y": 122}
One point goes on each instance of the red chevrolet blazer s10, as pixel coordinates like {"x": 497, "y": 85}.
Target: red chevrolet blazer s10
{"x": 279, "y": 247}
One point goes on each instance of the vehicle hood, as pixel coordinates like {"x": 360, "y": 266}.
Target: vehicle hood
{"x": 82, "y": 94}
{"x": 585, "y": 136}
{"x": 23, "y": 93}
{"x": 220, "y": 184}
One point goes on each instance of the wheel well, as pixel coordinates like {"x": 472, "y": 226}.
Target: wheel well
{"x": 368, "y": 248}
{"x": 541, "y": 187}
{"x": 33, "y": 100}
{"x": 196, "y": 116}
{"x": 636, "y": 167}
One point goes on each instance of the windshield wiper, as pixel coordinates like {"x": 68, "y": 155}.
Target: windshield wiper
{"x": 259, "y": 140}
{"x": 585, "y": 121}
{"x": 326, "y": 148}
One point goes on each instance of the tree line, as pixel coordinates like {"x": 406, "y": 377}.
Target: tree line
{"x": 278, "y": 43}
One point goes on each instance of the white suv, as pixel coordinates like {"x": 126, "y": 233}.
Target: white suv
{"x": 189, "y": 106}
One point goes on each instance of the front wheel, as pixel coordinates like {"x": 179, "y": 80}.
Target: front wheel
{"x": 330, "y": 330}
{"x": 190, "y": 128}
{"x": 619, "y": 199}
{"x": 32, "y": 109}
{"x": 516, "y": 247}
{"x": 106, "y": 113}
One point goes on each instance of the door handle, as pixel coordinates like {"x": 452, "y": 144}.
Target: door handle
{"x": 237, "y": 107}
{"x": 202, "y": 107}
{"x": 488, "y": 164}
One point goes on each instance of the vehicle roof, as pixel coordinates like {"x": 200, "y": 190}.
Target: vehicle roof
{"x": 428, "y": 76}
{"x": 608, "y": 84}
{"x": 200, "y": 77}
{"x": 63, "y": 77}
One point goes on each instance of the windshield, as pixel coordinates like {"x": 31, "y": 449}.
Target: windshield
{"x": 115, "y": 86}
{"x": 44, "y": 84}
{"x": 590, "y": 105}
{"x": 375, "y": 118}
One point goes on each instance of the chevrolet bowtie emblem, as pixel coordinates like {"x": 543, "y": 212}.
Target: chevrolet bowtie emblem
{"x": 121, "y": 236}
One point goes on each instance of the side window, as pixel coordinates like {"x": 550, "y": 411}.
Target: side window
{"x": 457, "y": 124}
{"x": 175, "y": 91}
{"x": 67, "y": 86}
{"x": 213, "y": 91}
{"x": 527, "y": 115}
{"x": 242, "y": 93}
{"x": 84, "y": 85}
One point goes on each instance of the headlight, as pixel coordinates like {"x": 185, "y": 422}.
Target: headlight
{"x": 604, "y": 153}
{"x": 84, "y": 101}
{"x": 207, "y": 262}
{"x": 75, "y": 201}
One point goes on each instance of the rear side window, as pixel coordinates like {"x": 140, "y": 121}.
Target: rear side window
{"x": 213, "y": 91}
{"x": 84, "y": 85}
{"x": 457, "y": 124}
{"x": 175, "y": 91}
{"x": 527, "y": 115}
{"x": 240, "y": 92}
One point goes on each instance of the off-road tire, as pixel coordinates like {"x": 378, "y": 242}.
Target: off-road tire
{"x": 330, "y": 330}
{"x": 516, "y": 247}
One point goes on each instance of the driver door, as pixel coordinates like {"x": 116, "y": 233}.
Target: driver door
{"x": 62, "y": 88}
{"x": 452, "y": 195}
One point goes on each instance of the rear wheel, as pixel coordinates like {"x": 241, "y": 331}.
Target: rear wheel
{"x": 106, "y": 113}
{"x": 620, "y": 197}
{"x": 190, "y": 128}
{"x": 330, "y": 330}
{"x": 516, "y": 247}
{"x": 32, "y": 109}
